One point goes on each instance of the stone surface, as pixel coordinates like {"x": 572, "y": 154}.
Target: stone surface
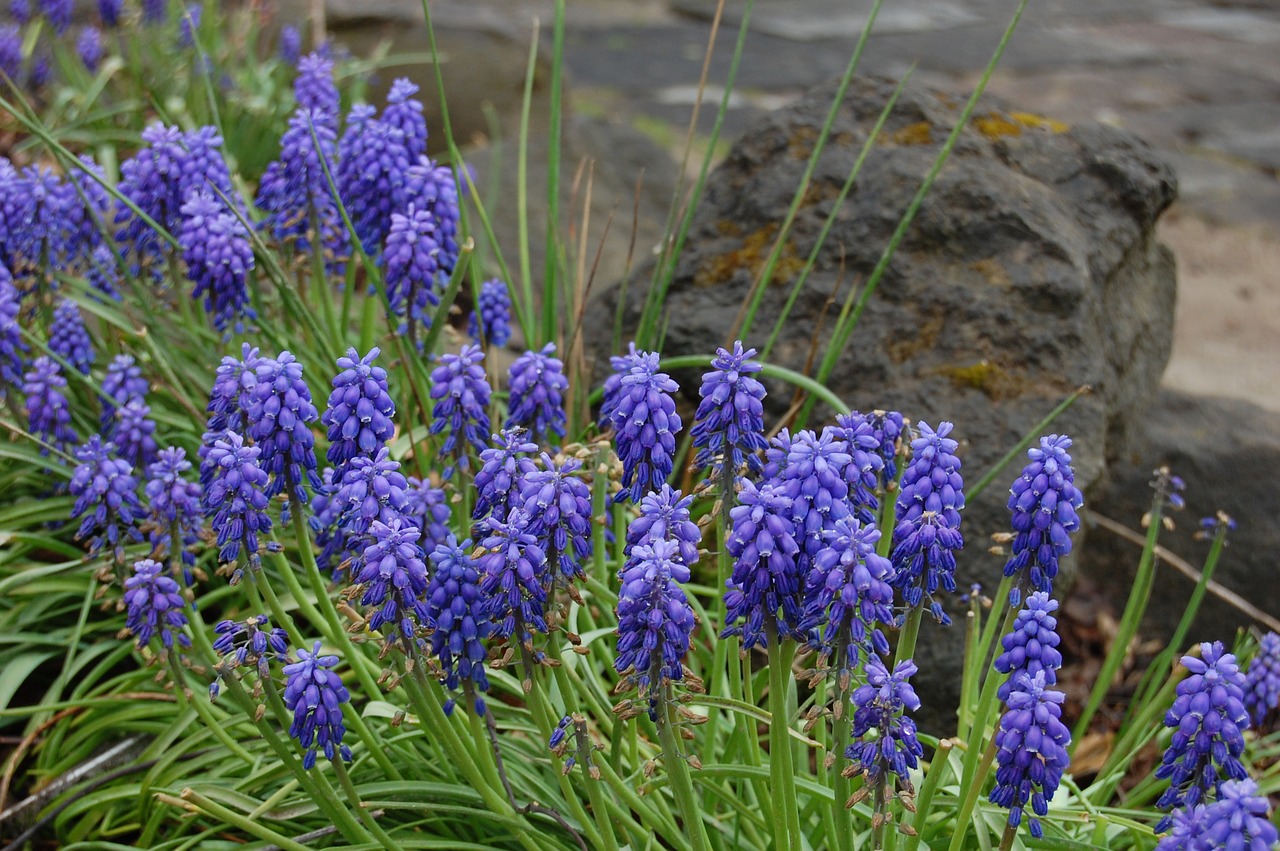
{"x": 1225, "y": 450}
{"x": 1031, "y": 269}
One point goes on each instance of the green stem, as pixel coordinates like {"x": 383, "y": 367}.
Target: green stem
{"x": 1006, "y": 841}
{"x": 199, "y": 803}
{"x": 216, "y": 727}
{"x": 910, "y": 632}
{"x": 353, "y": 798}
{"x": 786, "y": 812}
{"x": 678, "y": 771}
{"x": 972, "y": 789}
{"x": 924, "y": 803}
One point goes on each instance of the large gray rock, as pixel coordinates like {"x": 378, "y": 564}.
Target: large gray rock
{"x": 1225, "y": 450}
{"x": 1031, "y": 269}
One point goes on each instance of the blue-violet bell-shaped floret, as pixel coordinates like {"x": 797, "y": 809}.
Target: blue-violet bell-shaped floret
{"x": 69, "y": 339}
{"x": 359, "y": 412}
{"x": 558, "y": 502}
{"x": 1031, "y": 751}
{"x": 461, "y": 393}
{"x": 315, "y": 694}
{"x": 394, "y": 577}
{"x": 314, "y": 87}
{"x": 502, "y": 466}
{"x": 106, "y": 498}
{"x": 764, "y": 592}
{"x": 927, "y": 531}
{"x": 48, "y": 411}
{"x": 1208, "y": 720}
{"x": 537, "y": 385}
{"x": 456, "y": 606}
{"x": 413, "y": 270}
{"x": 231, "y": 394}
{"x": 218, "y": 255}
{"x": 1031, "y": 645}
{"x": 490, "y": 322}
{"x": 154, "y": 605}
{"x": 280, "y": 416}
{"x": 645, "y": 425}
{"x": 372, "y": 160}
{"x": 879, "y": 708}
{"x": 1044, "y": 501}
{"x": 1262, "y": 682}
{"x": 655, "y": 620}
{"x": 235, "y": 498}
{"x": 665, "y": 515}
{"x": 404, "y": 113}
{"x": 514, "y": 582}
{"x": 813, "y": 474}
{"x": 728, "y": 427}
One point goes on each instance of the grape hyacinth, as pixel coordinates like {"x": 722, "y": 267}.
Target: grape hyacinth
{"x": 314, "y": 88}
{"x": 20, "y": 11}
{"x": 1209, "y": 719}
{"x": 412, "y": 264}
{"x": 252, "y": 641}
{"x": 1031, "y": 646}
{"x": 290, "y": 44}
{"x": 103, "y": 274}
{"x": 123, "y": 383}
{"x": 11, "y": 53}
{"x": 655, "y": 622}
{"x": 1262, "y": 682}
{"x": 513, "y": 571}
{"x": 233, "y": 384}
{"x": 280, "y": 413}
{"x": 89, "y": 48}
{"x": 394, "y": 577}
{"x": 428, "y": 508}
{"x": 644, "y": 419}
{"x": 295, "y": 191}
{"x": 490, "y": 322}
{"x": 558, "y": 502}
{"x": 880, "y": 706}
{"x": 371, "y": 489}
{"x": 847, "y": 594}
{"x": 135, "y": 433}
{"x": 1238, "y": 819}
{"x": 174, "y": 504}
{"x": 12, "y": 347}
{"x": 1186, "y": 830}
{"x": 155, "y": 11}
{"x": 537, "y": 386}
{"x": 48, "y": 411}
{"x": 105, "y": 492}
{"x": 1031, "y": 751}
{"x": 58, "y": 13}
{"x": 1044, "y": 502}
{"x": 235, "y": 499}
{"x": 764, "y": 591}
{"x": 359, "y": 412}
{"x": 434, "y": 188}
{"x": 665, "y": 515}
{"x": 218, "y": 255}
{"x": 372, "y": 160}
{"x": 188, "y": 24}
{"x": 69, "y": 339}
{"x": 502, "y": 467}
{"x": 927, "y": 533}
{"x": 109, "y": 12}
{"x": 404, "y": 113}
{"x": 812, "y": 474}
{"x": 154, "y": 604}
{"x": 864, "y": 474}
{"x": 315, "y": 694}
{"x": 729, "y": 423}
{"x": 462, "y": 392}
{"x": 462, "y": 624}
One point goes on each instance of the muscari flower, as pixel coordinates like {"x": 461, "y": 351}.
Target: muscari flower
{"x": 359, "y": 411}
{"x": 106, "y": 498}
{"x": 394, "y": 577}
{"x": 1031, "y": 646}
{"x": 1209, "y": 719}
{"x": 12, "y": 347}
{"x": 412, "y": 264}
{"x": 428, "y": 508}
{"x": 643, "y": 415}
{"x": 729, "y": 423}
{"x": 764, "y": 590}
{"x": 235, "y": 498}
{"x": 490, "y": 322}
{"x": 880, "y": 706}
{"x": 1031, "y": 751}
{"x": 315, "y": 694}
{"x": 280, "y": 413}
{"x": 847, "y": 594}
{"x": 462, "y": 392}
{"x": 1044, "y": 501}
{"x": 1186, "y": 831}
{"x": 189, "y": 24}
{"x": 865, "y": 473}
{"x": 537, "y": 386}
{"x": 372, "y": 160}
{"x": 135, "y": 433}
{"x": 155, "y": 11}
{"x": 558, "y": 502}
{"x": 48, "y": 411}
{"x": 372, "y": 489}
{"x": 655, "y": 621}
{"x": 513, "y": 570}
{"x": 89, "y": 48}
{"x": 233, "y": 382}
{"x": 154, "y": 605}
{"x": 1237, "y": 821}
{"x": 1262, "y": 682}
{"x": 502, "y": 467}
{"x": 404, "y": 113}
{"x": 315, "y": 90}
{"x": 218, "y": 256}
{"x": 58, "y": 13}
{"x": 252, "y": 641}
{"x": 433, "y": 189}
{"x": 11, "y": 52}
{"x": 103, "y": 273}
{"x": 20, "y": 11}
{"x": 664, "y": 515}
{"x": 43, "y": 203}
{"x": 109, "y": 12}
{"x": 122, "y": 384}
{"x": 174, "y": 504}
{"x": 927, "y": 533}
{"x": 456, "y": 606}
{"x": 811, "y": 469}
{"x": 69, "y": 339}
{"x": 290, "y": 44}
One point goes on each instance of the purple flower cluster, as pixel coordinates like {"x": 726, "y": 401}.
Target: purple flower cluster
{"x": 218, "y": 255}
{"x": 252, "y": 641}
{"x": 462, "y": 393}
{"x": 1031, "y": 751}
{"x": 89, "y": 48}
{"x": 314, "y": 88}
{"x": 880, "y": 707}
{"x": 848, "y": 592}
{"x": 154, "y": 604}
{"x": 315, "y": 694}
{"x": 537, "y": 386}
{"x": 764, "y": 590}
{"x": 290, "y": 44}
{"x": 106, "y": 498}
{"x": 1031, "y": 646}
{"x": 514, "y": 580}
{"x": 665, "y": 515}
{"x": 235, "y": 497}
{"x": 372, "y": 489}
{"x": 928, "y": 520}
{"x": 1208, "y": 719}
{"x": 502, "y": 468}
{"x": 135, "y": 433}
{"x": 359, "y": 412}
{"x": 457, "y": 607}
{"x": 69, "y": 339}
{"x": 810, "y": 468}
{"x": 434, "y": 188}
{"x": 122, "y": 384}
{"x": 280, "y": 413}
{"x": 1262, "y": 682}
{"x": 640, "y": 405}
{"x": 394, "y": 577}
{"x": 174, "y": 504}
{"x": 58, "y": 13}
{"x": 729, "y": 424}
{"x": 412, "y": 264}
{"x": 48, "y": 411}
{"x": 490, "y": 322}
{"x": 1044, "y": 501}
{"x": 655, "y": 620}
{"x": 558, "y": 503}
{"x": 372, "y": 160}
{"x": 1237, "y": 821}
{"x": 428, "y": 508}
{"x": 12, "y": 348}
{"x": 404, "y": 113}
